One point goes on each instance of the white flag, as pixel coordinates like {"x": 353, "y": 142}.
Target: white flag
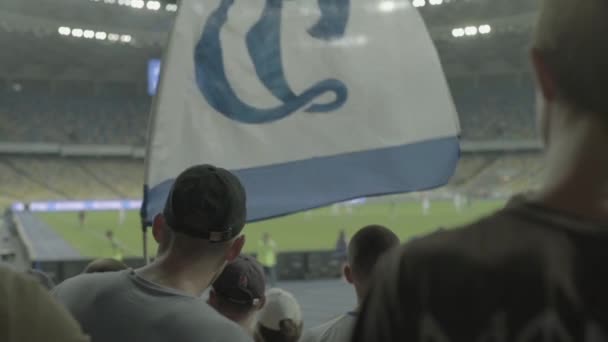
{"x": 309, "y": 102}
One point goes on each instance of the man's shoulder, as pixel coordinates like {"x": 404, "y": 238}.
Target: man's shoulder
{"x": 207, "y": 324}
{"x": 87, "y": 283}
{"x": 507, "y": 236}
{"x": 505, "y": 222}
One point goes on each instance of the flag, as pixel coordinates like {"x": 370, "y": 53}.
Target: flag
{"x": 309, "y": 102}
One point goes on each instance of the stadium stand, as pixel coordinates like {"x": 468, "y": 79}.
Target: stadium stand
{"x": 50, "y": 178}
{"x": 497, "y": 107}
{"x": 507, "y": 175}
{"x": 28, "y": 116}
{"x": 17, "y": 185}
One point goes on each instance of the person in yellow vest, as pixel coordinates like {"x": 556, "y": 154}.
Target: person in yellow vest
{"x": 117, "y": 252}
{"x": 267, "y": 257}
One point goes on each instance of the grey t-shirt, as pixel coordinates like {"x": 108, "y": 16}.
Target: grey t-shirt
{"x": 337, "y": 330}
{"x": 124, "y": 307}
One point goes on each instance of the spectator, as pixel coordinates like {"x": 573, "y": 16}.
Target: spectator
{"x": 238, "y": 293}
{"x": 105, "y": 265}
{"x": 28, "y": 313}
{"x": 341, "y": 252}
{"x": 82, "y": 216}
{"x": 198, "y": 233}
{"x": 267, "y": 257}
{"x": 364, "y": 251}
{"x": 281, "y": 318}
{"x": 535, "y": 270}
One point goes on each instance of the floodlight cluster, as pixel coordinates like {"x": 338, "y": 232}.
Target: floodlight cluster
{"x": 84, "y": 33}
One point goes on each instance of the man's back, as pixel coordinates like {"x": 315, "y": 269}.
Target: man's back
{"x": 123, "y": 307}
{"x": 521, "y": 274}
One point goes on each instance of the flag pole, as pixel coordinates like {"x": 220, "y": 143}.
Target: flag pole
{"x": 144, "y": 224}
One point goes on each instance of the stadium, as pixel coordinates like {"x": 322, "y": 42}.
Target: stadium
{"x": 78, "y": 86}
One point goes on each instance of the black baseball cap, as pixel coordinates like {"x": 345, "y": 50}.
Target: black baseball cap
{"x": 206, "y": 202}
{"x": 241, "y": 282}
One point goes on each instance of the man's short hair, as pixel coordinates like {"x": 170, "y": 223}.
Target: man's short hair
{"x": 570, "y": 38}
{"x": 367, "y": 246}
{"x": 105, "y": 265}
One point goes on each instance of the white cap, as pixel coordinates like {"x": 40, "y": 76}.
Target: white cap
{"x": 280, "y": 305}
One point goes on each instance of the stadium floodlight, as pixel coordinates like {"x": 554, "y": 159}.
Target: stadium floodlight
{"x": 458, "y": 32}
{"x": 101, "y": 35}
{"x": 77, "y": 32}
{"x": 419, "y": 3}
{"x": 64, "y": 31}
{"x": 387, "y": 6}
{"x": 113, "y": 37}
{"x": 125, "y": 38}
{"x": 435, "y": 2}
{"x": 171, "y": 7}
{"x": 153, "y": 5}
{"x": 137, "y": 3}
{"x": 88, "y": 34}
{"x": 485, "y": 29}
{"x": 470, "y": 30}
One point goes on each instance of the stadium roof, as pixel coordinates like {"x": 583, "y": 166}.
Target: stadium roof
{"x": 38, "y": 51}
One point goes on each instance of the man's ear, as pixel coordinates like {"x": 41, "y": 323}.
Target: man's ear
{"x": 544, "y": 76}
{"x": 158, "y": 228}
{"x": 235, "y": 249}
{"x": 260, "y": 305}
{"x": 348, "y": 274}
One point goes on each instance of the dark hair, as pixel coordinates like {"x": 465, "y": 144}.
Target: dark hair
{"x": 104, "y": 265}
{"x": 290, "y": 332}
{"x": 367, "y": 246}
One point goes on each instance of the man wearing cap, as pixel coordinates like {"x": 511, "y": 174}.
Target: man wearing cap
{"x": 198, "y": 234}
{"x": 238, "y": 293}
{"x": 280, "y": 320}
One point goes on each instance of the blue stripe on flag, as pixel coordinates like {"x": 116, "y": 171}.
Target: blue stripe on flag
{"x": 282, "y": 189}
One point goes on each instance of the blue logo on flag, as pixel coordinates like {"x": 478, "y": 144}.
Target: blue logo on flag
{"x": 264, "y": 45}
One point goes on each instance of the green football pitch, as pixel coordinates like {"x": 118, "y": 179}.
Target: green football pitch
{"x": 313, "y": 230}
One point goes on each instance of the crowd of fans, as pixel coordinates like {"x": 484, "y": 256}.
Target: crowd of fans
{"x": 494, "y": 107}
{"x": 489, "y": 108}
{"x": 75, "y": 119}
{"x": 532, "y": 271}
{"x": 60, "y": 178}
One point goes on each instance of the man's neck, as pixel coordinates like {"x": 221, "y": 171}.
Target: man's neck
{"x": 577, "y": 171}
{"x": 191, "y": 278}
{"x": 248, "y": 323}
